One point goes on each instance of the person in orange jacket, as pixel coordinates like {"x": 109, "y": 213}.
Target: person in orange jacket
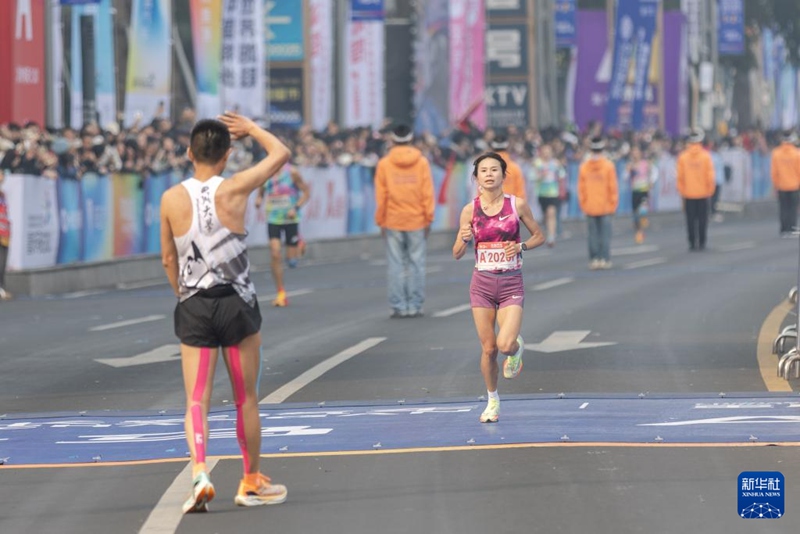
{"x": 598, "y": 196}
{"x": 514, "y": 183}
{"x": 786, "y": 181}
{"x": 404, "y": 212}
{"x": 696, "y": 185}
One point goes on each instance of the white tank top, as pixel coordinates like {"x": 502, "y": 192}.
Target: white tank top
{"x": 209, "y": 254}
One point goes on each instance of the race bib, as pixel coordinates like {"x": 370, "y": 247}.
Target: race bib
{"x": 279, "y": 202}
{"x": 492, "y": 257}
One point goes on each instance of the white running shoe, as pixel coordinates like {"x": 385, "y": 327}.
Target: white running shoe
{"x": 202, "y": 493}
{"x": 492, "y": 412}
{"x": 513, "y": 364}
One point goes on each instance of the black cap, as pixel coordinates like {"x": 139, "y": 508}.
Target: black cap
{"x": 402, "y": 134}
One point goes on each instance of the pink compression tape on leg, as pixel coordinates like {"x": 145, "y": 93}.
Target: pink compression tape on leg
{"x": 197, "y": 405}
{"x": 239, "y": 393}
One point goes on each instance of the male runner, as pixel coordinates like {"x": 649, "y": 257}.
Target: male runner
{"x": 205, "y": 259}
{"x": 286, "y": 193}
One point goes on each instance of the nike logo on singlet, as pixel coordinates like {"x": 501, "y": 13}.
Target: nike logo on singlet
{"x": 504, "y": 217}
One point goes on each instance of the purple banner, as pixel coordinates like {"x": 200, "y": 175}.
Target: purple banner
{"x": 676, "y": 98}
{"x": 591, "y": 85}
{"x": 431, "y": 94}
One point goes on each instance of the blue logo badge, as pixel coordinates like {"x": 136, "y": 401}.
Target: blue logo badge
{"x": 761, "y": 495}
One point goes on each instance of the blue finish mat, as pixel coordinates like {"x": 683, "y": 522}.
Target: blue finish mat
{"x": 116, "y": 436}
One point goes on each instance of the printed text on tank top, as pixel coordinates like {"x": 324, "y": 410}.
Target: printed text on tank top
{"x": 491, "y": 232}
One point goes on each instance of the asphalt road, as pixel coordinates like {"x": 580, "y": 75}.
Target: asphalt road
{"x": 665, "y": 322}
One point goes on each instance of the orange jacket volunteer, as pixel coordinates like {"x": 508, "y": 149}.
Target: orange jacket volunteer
{"x": 404, "y": 190}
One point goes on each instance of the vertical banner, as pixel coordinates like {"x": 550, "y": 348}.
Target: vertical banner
{"x": 321, "y": 62}
{"x": 286, "y": 96}
{"x": 325, "y": 216}
{"x": 676, "y": 69}
{"x": 154, "y": 186}
{"x": 364, "y": 42}
{"x": 148, "y": 81}
{"x": 70, "y": 241}
{"x": 105, "y": 86}
{"x": 22, "y": 65}
{"x": 566, "y": 23}
{"x": 98, "y": 217}
{"x": 33, "y": 212}
{"x": 645, "y": 30}
{"x": 624, "y": 29}
{"x": 242, "y": 76}
{"x": 730, "y": 29}
{"x": 56, "y": 74}
{"x": 206, "y": 16}
{"x": 128, "y": 215}
{"x": 432, "y": 60}
{"x": 467, "y": 31}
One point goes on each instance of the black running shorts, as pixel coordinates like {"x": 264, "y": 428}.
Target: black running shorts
{"x": 216, "y": 317}
{"x": 289, "y": 231}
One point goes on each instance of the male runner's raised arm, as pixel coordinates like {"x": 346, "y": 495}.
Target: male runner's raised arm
{"x": 245, "y": 182}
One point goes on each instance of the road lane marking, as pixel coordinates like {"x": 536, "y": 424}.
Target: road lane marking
{"x": 164, "y": 353}
{"x": 552, "y": 283}
{"x": 452, "y": 311}
{"x": 631, "y": 251}
{"x": 584, "y": 405}
{"x": 293, "y": 293}
{"x": 79, "y": 294}
{"x": 645, "y": 263}
{"x": 563, "y": 340}
{"x": 167, "y": 514}
{"x": 292, "y": 387}
{"x": 768, "y": 362}
{"x": 736, "y": 246}
{"x": 128, "y": 322}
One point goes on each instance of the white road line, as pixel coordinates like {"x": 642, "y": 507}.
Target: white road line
{"x": 552, "y": 283}
{"x": 632, "y": 251}
{"x": 290, "y": 388}
{"x": 167, "y": 514}
{"x": 128, "y": 322}
{"x": 645, "y": 263}
{"x": 124, "y": 286}
{"x": 79, "y": 294}
{"x": 738, "y": 246}
{"x": 452, "y": 311}
{"x": 293, "y": 293}
{"x": 584, "y": 405}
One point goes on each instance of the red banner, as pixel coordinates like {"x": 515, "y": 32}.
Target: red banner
{"x": 22, "y": 93}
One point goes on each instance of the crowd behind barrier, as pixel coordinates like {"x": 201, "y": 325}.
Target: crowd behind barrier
{"x": 93, "y": 194}
{"x": 107, "y": 216}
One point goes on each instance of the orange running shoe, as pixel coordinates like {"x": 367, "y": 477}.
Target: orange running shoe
{"x": 280, "y": 299}
{"x": 261, "y": 493}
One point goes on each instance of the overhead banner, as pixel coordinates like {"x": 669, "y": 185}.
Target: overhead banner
{"x": 730, "y": 30}
{"x": 104, "y": 65}
{"x": 284, "y": 31}
{"x": 565, "y": 23}
{"x": 467, "y": 46}
{"x": 321, "y": 62}
{"x": 432, "y": 65}
{"x": 363, "y": 87}
{"x": 22, "y": 65}
{"x": 148, "y": 82}
{"x": 243, "y": 58}
{"x": 206, "y": 16}
{"x": 633, "y": 34}
{"x": 33, "y": 212}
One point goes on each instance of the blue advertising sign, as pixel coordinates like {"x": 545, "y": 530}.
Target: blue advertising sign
{"x": 98, "y": 217}
{"x": 730, "y": 33}
{"x": 566, "y": 22}
{"x": 761, "y": 495}
{"x": 646, "y": 29}
{"x": 78, "y": 2}
{"x": 366, "y": 10}
{"x": 154, "y": 187}
{"x": 70, "y": 217}
{"x": 284, "y": 30}
{"x": 633, "y": 35}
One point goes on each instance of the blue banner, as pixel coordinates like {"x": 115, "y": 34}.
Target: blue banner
{"x": 633, "y": 34}
{"x": 154, "y": 187}
{"x": 645, "y": 31}
{"x": 98, "y": 217}
{"x": 730, "y": 33}
{"x": 70, "y": 216}
{"x": 566, "y": 22}
{"x": 366, "y": 10}
{"x": 356, "y": 214}
{"x": 78, "y": 2}
{"x": 284, "y": 30}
